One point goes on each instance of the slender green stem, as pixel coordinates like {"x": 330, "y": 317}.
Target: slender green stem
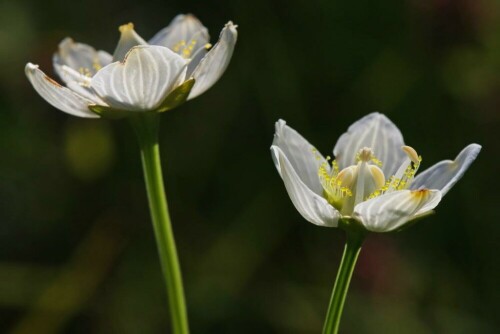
{"x": 339, "y": 293}
{"x": 146, "y": 127}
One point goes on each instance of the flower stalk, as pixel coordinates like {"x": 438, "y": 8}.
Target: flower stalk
{"x": 147, "y": 128}
{"x": 352, "y": 249}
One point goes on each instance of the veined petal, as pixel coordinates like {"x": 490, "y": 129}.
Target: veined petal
{"x": 104, "y": 59}
{"x": 196, "y": 57}
{"x": 377, "y": 132}
{"x": 69, "y": 74}
{"x": 78, "y": 83}
{"x": 445, "y": 174}
{"x": 303, "y": 157}
{"x": 128, "y": 39}
{"x": 80, "y": 57}
{"x": 310, "y": 205}
{"x": 184, "y": 32}
{"x": 142, "y": 81}
{"x": 213, "y": 65}
{"x": 58, "y": 96}
{"x": 391, "y": 211}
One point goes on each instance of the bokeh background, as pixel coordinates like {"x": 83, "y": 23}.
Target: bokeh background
{"x": 77, "y": 252}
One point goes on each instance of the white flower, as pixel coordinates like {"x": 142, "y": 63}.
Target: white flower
{"x": 372, "y": 180}
{"x": 177, "y": 64}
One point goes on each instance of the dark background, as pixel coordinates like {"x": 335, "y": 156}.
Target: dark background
{"x": 77, "y": 252}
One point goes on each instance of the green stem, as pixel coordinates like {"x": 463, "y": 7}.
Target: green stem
{"x": 339, "y": 293}
{"x": 146, "y": 127}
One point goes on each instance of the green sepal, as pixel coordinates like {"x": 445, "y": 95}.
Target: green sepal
{"x": 110, "y": 113}
{"x": 177, "y": 97}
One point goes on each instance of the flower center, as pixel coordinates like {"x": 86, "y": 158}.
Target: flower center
{"x": 345, "y": 188}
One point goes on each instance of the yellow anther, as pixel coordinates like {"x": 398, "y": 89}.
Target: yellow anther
{"x": 377, "y": 161}
{"x": 335, "y": 167}
{"x": 96, "y": 64}
{"x": 334, "y": 185}
{"x": 85, "y": 72}
{"x": 412, "y": 154}
{"x": 177, "y": 47}
{"x": 185, "y": 48}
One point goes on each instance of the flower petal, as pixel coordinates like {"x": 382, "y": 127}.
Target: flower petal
{"x": 310, "y": 205}
{"x": 377, "y": 132}
{"x": 142, "y": 81}
{"x": 183, "y": 32}
{"x": 391, "y": 211}
{"x": 303, "y": 156}
{"x": 78, "y": 83}
{"x": 446, "y": 173}
{"x": 196, "y": 58}
{"x": 128, "y": 39}
{"x": 58, "y": 96}
{"x": 213, "y": 65}
{"x": 80, "y": 57}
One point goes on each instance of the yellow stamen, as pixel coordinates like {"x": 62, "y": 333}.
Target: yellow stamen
{"x": 177, "y": 47}
{"x": 96, "y": 64}
{"x": 341, "y": 185}
{"x": 412, "y": 154}
{"x": 333, "y": 183}
{"x": 184, "y": 48}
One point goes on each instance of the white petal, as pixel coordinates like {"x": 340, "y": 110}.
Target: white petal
{"x": 377, "y": 132}
{"x": 128, "y": 39}
{"x": 142, "y": 81}
{"x": 446, "y": 173}
{"x": 211, "y": 68}
{"x": 104, "y": 58}
{"x": 80, "y": 57}
{"x": 304, "y": 157}
{"x": 78, "y": 83}
{"x": 391, "y": 211}
{"x": 58, "y": 96}
{"x": 68, "y": 74}
{"x": 196, "y": 58}
{"x": 183, "y": 31}
{"x": 311, "y": 206}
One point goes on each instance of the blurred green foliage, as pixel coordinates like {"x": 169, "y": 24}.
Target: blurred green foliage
{"x": 77, "y": 252}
